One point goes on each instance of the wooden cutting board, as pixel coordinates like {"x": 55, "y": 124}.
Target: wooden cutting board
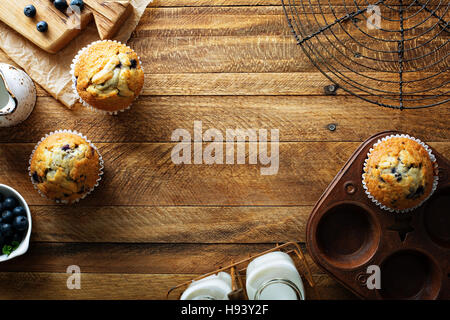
{"x": 63, "y": 27}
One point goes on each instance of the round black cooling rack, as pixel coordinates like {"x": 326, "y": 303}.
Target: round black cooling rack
{"x": 393, "y": 53}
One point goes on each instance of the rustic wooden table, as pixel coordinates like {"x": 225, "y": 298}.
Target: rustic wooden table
{"x": 152, "y": 224}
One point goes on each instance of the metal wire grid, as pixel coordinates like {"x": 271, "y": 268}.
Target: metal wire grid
{"x": 403, "y": 63}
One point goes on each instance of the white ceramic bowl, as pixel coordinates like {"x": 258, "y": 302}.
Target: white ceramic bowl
{"x": 23, "y": 247}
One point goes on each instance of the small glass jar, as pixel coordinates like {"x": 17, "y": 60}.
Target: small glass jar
{"x": 214, "y": 287}
{"x": 274, "y": 276}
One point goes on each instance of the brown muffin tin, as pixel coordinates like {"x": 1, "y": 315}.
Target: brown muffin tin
{"x": 346, "y": 232}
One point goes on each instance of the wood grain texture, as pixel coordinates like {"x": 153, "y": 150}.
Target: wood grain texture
{"x": 130, "y": 258}
{"x": 121, "y": 286}
{"x": 258, "y": 39}
{"x": 151, "y": 225}
{"x": 143, "y": 224}
{"x": 144, "y": 174}
{"x": 298, "y": 118}
{"x": 218, "y": 3}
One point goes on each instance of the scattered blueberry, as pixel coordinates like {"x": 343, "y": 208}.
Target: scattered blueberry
{"x": 9, "y": 203}
{"x": 42, "y": 26}
{"x": 19, "y": 211}
{"x": 78, "y": 3}
{"x": 6, "y": 230}
{"x": 61, "y": 5}
{"x": 7, "y": 216}
{"x": 30, "y": 11}
{"x": 65, "y": 147}
{"x": 133, "y": 63}
{"x": 20, "y": 223}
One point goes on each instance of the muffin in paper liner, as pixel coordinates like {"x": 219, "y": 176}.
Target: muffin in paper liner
{"x": 100, "y": 172}
{"x": 434, "y": 172}
{"x": 74, "y": 79}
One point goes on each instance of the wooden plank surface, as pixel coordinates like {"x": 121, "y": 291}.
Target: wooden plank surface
{"x": 151, "y": 224}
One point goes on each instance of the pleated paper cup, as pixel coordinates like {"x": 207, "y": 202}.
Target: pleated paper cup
{"x": 74, "y": 79}
{"x": 100, "y": 160}
{"x": 432, "y": 159}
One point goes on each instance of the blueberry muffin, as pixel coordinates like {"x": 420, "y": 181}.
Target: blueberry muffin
{"x": 108, "y": 76}
{"x": 65, "y": 167}
{"x": 399, "y": 173}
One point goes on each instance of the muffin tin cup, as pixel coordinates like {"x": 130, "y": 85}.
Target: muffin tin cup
{"x": 100, "y": 173}
{"x": 432, "y": 158}
{"x": 74, "y": 80}
{"x": 347, "y": 235}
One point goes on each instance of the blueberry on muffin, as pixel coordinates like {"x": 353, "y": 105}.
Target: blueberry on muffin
{"x": 399, "y": 173}
{"x": 65, "y": 167}
{"x": 108, "y": 76}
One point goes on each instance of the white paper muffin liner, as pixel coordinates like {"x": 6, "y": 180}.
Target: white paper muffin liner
{"x": 74, "y": 79}
{"x": 432, "y": 158}
{"x": 100, "y": 173}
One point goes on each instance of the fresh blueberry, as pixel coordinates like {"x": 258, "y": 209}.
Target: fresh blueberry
{"x": 17, "y": 237}
{"x": 61, "y": 5}
{"x": 35, "y": 177}
{"x": 6, "y": 229}
{"x": 7, "y": 216}
{"x": 20, "y": 223}
{"x": 9, "y": 203}
{"x": 30, "y": 11}
{"x": 78, "y": 3}
{"x": 19, "y": 211}
{"x": 42, "y": 26}
{"x": 1, "y": 197}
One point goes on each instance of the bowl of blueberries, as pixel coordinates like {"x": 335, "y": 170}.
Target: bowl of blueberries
{"x": 15, "y": 224}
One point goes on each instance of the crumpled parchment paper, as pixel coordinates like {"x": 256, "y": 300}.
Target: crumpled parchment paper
{"x": 52, "y": 71}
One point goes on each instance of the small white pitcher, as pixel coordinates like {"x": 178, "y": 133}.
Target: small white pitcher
{"x": 17, "y": 95}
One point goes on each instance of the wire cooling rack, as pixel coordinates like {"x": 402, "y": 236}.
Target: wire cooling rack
{"x": 393, "y": 53}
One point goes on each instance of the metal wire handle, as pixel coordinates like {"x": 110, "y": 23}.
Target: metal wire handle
{"x": 404, "y": 65}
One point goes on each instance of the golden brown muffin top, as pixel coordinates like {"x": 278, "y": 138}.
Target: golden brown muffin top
{"x": 65, "y": 167}
{"x": 108, "y": 75}
{"x": 399, "y": 173}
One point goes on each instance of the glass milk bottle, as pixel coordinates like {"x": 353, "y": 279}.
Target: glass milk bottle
{"x": 214, "y": 287}
{"x": 273, "y": 276}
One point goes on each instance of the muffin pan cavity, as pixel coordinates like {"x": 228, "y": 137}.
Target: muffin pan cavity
{"x": 409, "y": 274}
{"x": 347, "y": 233}
{"x": 437, "y": 218}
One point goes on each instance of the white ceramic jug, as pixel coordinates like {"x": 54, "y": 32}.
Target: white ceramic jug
{"x": 17, "y": 95}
